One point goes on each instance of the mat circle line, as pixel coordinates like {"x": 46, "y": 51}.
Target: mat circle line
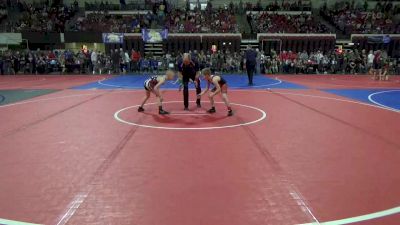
{"x": 380, "y": 104}
{"x": 2, "y": 98}
{"x": 263, "y": 116}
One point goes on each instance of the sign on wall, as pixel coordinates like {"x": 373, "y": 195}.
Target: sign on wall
{"x": 10, "y": 38}
{"x": 113, "y": 38}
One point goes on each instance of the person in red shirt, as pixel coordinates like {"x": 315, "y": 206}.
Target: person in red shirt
{"x": 51, "y": 55}
{"x": 284, "y": 57}
{"x": 377, "y": 65}
{"x": 292, "y": 56}
{"x": 135, "y": 57}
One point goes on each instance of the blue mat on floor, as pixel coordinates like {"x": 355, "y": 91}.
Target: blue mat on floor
{"x": 234, "y": 82}
{"x": 389, "y": 98}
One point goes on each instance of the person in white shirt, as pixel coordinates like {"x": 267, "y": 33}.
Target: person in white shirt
{"x": 370, "y": 62}
{"x": 93, "y": 58}
{"x": 258, "y": 61}
{"x": 127, "y": 61}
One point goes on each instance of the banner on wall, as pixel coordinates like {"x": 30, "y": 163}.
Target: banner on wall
{"x": 113, "y": 38}
{"x": 154, "y": 35}
{"x": 10, "y": 38}
{"x": 381, "y": 39}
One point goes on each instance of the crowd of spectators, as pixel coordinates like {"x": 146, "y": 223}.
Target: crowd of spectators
{"x": 124, "y": 5}
{"x": 119, "y": 61}
{"x": 82, "y": 62}
{"x": 285, "y": 5}
{"x": 3, "y": 10}
{"x": 101, "y": 19}
{"x": 104, "y": 22}
{"x": 209, "y": 20}
{"x": 266, "y": 22}
{"x": 333, "y": 62}
{"x": 61, "y": 18}
{"x": 350, "y": 18}
{"x": 42, "y": 17}
{"x": 345, "y": 16}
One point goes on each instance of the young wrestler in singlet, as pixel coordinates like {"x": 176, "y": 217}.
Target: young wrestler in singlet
{"x": 152, "y": 85}
{"x": 220, "y": 86}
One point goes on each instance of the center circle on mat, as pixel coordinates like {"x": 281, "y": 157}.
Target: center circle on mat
{"x": 378, "y": 98}
{"x": 261, "y": 117}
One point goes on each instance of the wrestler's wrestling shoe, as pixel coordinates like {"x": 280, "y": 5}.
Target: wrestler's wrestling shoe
{"x": 230, "y": 112}
{"x": 162, "y": 112}
{"x": 212, "y": 110}
{"x": 140, "y": 109}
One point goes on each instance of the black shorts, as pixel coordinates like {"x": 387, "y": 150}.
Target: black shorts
{"x": 377, "y": 66}
{"x": 145, "y": 86}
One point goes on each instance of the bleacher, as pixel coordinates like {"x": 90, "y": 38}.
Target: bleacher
{"x": 274, "y": 25}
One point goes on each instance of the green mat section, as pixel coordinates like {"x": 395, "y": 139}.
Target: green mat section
{"x": 11, "y": 96}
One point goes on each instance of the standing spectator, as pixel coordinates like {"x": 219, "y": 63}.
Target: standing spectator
{"x": 135, "y": 56}
{"x": 251, "y": 57}
{"x": 214, "y": 59}
{"x": 31, "y": 62}
{"x": 284, "y": 58}
{"x": 93, "y": 58}
{"x": 258, "y": 62}
{"x": 334, "y": 64}
{"x": 115, "y": 61}
{"x": 122, "y": 60}
{"x": 127, "y": 61}
{"x": 2, "y": 63}
{"x": 319, "y": 56}
{"x": 377, "y": 64}
{"x": 168, "y": 60}
{"x": 340, "y": 61}
{"x": 292, "y": 56}
{"x": 15, "y": 63}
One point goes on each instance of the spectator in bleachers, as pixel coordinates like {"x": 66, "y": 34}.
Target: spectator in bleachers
{"x": 42, "y": 17}
{"x": 350, "y": 19}
{"x": 287, "y": 62}
{"x": 280, "y": 6}
{"x": 265, "y": 22}
{"x": 221, "y": 21}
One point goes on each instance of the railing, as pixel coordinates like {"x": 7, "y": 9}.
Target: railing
{"x": 280, "y": 12}
{"x": 121, "y": 12}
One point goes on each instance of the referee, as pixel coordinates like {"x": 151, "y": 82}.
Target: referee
{"x": 189, "y": 70}
{"x": 251, "y": 62}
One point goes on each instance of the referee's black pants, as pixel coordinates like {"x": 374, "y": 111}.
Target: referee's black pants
{"x": 186, "y": 92}
{"x": 250, "y": 72}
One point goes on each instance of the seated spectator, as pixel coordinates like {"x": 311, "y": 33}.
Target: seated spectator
{"x": 42, "y": 18}
{"x": 265, "y": 22}
{"x": 350, "y": 19}
{"x": 221, "y": 21}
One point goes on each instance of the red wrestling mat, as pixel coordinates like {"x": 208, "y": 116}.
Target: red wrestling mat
{"x": 46, "y": 81}
{"x": 67, "y": 158}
